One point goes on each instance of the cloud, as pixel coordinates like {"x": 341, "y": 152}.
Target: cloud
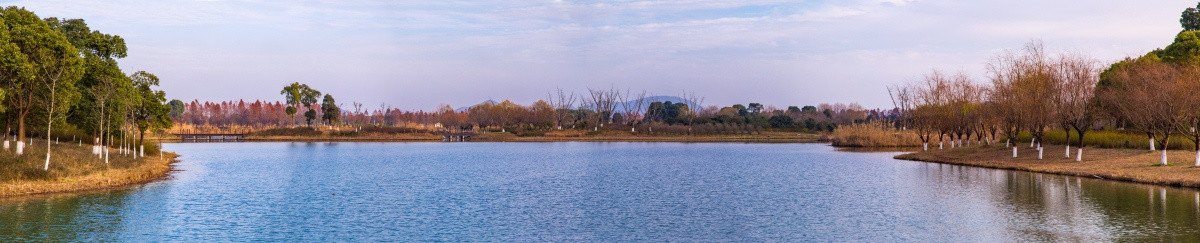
{"x": 417, "y": 54}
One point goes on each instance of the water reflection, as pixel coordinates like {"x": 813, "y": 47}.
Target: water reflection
{"x": 1043, "y": 207}
{"x": 66, "y": 218}
{"x": 597, "y": 192}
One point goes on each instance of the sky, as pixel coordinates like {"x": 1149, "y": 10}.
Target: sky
{"x": 417, "y": 54}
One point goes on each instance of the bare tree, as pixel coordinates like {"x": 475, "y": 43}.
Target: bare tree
{"x": 1077, "y": 75}
{"x": 603, "y": 102}
{"x": 1189, "y": 119}
{"x": 1142, "y": 93}
{"x": 1022, "y": 81}
{"x": 562, "y": 107}
{"x": 632, "y": 106}
{"x": 902, "y": 98}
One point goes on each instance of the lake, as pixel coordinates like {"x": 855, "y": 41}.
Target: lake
{"x": 612, "y": 192}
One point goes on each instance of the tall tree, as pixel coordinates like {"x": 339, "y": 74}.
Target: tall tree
{"x": 150, "y": 111}
{"x": 177, "y": 109}
{"x": 55, "y": 66}
{"x": 1077, "y": 77}
{"x": 330, "y": 110}
{"x": 1190, "y": 19}
{"x": 293, "y": 94}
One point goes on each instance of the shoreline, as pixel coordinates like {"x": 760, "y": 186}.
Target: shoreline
{"x": 502, "y": 137}
{"x": 151, "y": 171}
{"x": 1126, "y": 165}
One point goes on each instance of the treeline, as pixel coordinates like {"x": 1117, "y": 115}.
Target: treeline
{"x": 592, "y": 111}
{"x": 1032, "y": 91}
{"x": 61, "y": 79}
{"x": 268, "y": 114}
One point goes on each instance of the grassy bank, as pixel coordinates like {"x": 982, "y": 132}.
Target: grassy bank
{"x": 1133, "y": 165}
{"x": 74, "y": 169}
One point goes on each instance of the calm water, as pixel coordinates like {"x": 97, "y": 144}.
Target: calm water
{"x": 596, "y": 192}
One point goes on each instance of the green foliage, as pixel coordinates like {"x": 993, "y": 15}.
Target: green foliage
{"x": 177, "y": 108}
{"x": 667, "y": 112}
{"x": 149, "y": 110}
{"x": 54, "y": 67}
{"x": 782, "y": 121}
{"x": 1190, "y": 18}
{"x": 298, "y": 94}
{"x": 309, "y": 116}
{"x": 1184, "y": 50}
{"x": 809, "y": 109}
{"x": 330, "y": 110}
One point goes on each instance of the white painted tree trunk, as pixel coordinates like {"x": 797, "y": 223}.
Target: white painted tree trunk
{"x": 1163, "y": 160}
{"x": 940, "y": 146}
{"x": 142, "y": 150}
{"x": 20, "y": 147}
{"x": 6, "y": 144}
{"x": 1151, "y": 144}
{"x": 1030, "y": 142}
{"x": 1068, "y": 151}
{"x": 1014, "y": 151}
{"x": 1079, "y": 155}
{"x": 952, "y": 143}
{"x": 632, "y": 129}
{"x": 1007, "y": 143}
{"x": 1197, "y": 156}
{"x": 105, "y": 152}
{"x": 926, "y": 146}
{"x": 1040, "y": 151}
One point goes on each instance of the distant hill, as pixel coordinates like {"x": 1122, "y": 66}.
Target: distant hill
{"x": 464, "y": 109}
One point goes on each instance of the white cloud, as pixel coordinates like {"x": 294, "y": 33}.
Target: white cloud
{"x": 417, "y": 54}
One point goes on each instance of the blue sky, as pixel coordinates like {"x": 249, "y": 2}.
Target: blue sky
{"x": 417, "y": 54}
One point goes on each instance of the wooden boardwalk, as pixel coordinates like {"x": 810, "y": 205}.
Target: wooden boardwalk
{"x": 450, "y": 136}
{"x": 211, "y": 137}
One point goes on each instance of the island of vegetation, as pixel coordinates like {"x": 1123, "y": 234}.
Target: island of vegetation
{"x": 73, "y": 120}
{"x": 1135, "y": 120}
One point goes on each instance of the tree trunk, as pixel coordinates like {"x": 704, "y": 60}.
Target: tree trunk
{"x": 21, "y": 132}
{"x": 1163, "y": 159}
{"x": 50, "y": 123}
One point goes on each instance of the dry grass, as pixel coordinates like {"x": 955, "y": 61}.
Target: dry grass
{"x": 872, "y": 135}
{"x": 1132, "y": 165}
{"x": 73, "y": 169}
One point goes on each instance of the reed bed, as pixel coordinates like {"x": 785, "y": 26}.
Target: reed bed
{"x": 873, "y": 135}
